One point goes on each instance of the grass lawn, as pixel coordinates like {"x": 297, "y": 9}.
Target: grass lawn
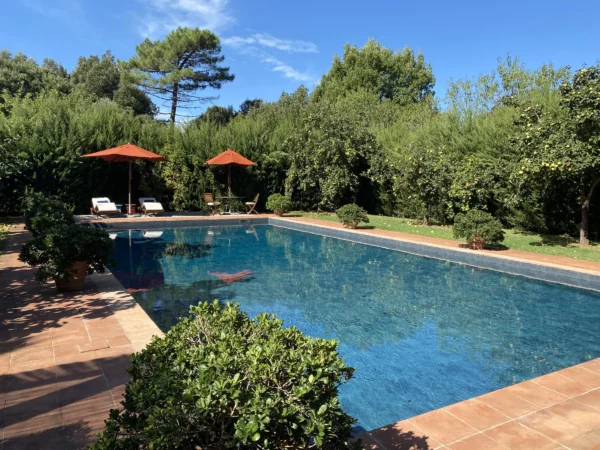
{"x": 549, "y": 245}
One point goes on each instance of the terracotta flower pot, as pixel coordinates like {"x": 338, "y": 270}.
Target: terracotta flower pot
{"x": 352, "y": 226}
{"x": 78, "y": 272}
{"x": 279, "y": 212}
{"x": 477, "y": 243}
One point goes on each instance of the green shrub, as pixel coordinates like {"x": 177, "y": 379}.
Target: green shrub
{"x": 59, "y": 247}
{"x": 351, "y": 215}
{"x": 235, "y": 206}
{"x": 278, "y": 204}
{"x": 220, "y": 380}
{"x": 478, "y": 228}
{"x": 42, "y": 213}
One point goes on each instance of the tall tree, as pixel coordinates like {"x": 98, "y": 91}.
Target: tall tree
{"x": 21, "y": 75}
{"x": 248, "y": 104}
{"x": 97, "y": 76}
{"x": 402, "y": 77}
{"x": 218, "y": 115}
{"x": 186, "y": 61}
{"x": 101, "y": 78}
{"x": 565, "y": 146}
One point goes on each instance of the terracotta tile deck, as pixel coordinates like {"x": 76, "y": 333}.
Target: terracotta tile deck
{"x": 63, "y": 359}
{"x": 62, "y": 356}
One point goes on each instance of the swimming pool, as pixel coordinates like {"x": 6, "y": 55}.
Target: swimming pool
{"x": 421, "y": 333}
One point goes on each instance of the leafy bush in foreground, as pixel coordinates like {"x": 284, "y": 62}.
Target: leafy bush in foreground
{"x": 278, "y": 204}
{"x": 479, "y": 228}
{"x": 351, "y": 215}
{"x": 220, "y": 380}
{"x": 42, "y": 213}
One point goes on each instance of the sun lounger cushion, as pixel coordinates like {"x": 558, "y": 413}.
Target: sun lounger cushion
{"x": 104, "y": 205}
{"x": 150, "y": 204}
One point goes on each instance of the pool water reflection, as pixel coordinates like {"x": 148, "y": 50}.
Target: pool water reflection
{"x": 421, "y": 333}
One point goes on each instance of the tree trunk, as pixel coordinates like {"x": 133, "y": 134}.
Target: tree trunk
{"x": 174, "y": 102}
{"x": 584, "y": 231}
{"x": 427, "y": 215}
{"x": 585, "y": 199}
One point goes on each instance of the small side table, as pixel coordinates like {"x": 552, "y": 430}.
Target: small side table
{"x": 130, "y": 208}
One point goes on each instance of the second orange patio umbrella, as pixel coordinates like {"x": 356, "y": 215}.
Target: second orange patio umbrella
{"x": 127, "y": 152}
{"x": 229, "y": 158}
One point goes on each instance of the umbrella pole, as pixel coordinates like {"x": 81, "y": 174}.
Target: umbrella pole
{"x": 229, "y": 178}
{"x": 129, "y": 202}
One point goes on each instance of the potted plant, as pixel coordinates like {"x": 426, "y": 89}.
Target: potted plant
{"x": 478, "y": 228}
{"x": 352, "y": 215}
{"x": 279, "y": 204}
{"x": 42, "y": 213}
{"x": 67, "y": 253}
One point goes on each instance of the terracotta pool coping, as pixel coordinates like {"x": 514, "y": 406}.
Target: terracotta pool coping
{"x": 557, "y": 410}
{"x": 63, "y": 359}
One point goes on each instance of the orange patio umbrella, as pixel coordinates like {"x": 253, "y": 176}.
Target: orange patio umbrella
{"x": 127, "y": 152}
{"x": 229, "y": 158}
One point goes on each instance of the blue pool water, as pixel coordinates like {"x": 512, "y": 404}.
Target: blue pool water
{"x": 421, "y": 333}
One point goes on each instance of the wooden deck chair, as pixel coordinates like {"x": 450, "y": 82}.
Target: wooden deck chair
{"x": 251, "y": 205}
{"x": 211, "y": 205}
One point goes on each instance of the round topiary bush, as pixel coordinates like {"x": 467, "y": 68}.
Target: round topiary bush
{"x": 220, "y": 380}
{"x": 42, "y": 213}
{"x": 352, "y": 215}
{"x": 478, "y": 228}
{"x": 279, "y": 204}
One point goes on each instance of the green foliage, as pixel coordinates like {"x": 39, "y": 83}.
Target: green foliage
{"x": 97, "y": 76}
{"x": 219, "y": 379}
{"x": 331, "y": 155}
{"x": 429, "y": 174}
{"x": 218, "y": 115}
{"x": 248, "y": 104}
{"x": 369, "y": 134}
{"x": 185, "y": 62}
{"x": 42, "y": 213}
{"x": 403, "y": 77}
{"x": 478, "y": 227}
{"x": 278, "y": 204}
{"x": 564, "y": 146}
{"x": 22, "y": 76}
{"x": 511, "y": 84}
{"x": 352, "y": 215}
{"x": 55, "y": 251}
{"x": 100, "y": 78}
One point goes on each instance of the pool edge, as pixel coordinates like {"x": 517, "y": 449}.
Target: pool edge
{"x": 538, "y": 270}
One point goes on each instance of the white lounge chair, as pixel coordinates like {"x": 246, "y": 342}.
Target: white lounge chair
{"x": 149, "y": 205}
{"x": 152, "y": 234}
{"x": 102, "y": 206}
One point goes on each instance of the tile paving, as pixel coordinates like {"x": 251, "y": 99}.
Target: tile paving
{"x": 63, "y": 360}
{"x": 62, "y": 356}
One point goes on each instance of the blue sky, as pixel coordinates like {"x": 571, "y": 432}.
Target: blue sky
{"x": 274, "y": 46}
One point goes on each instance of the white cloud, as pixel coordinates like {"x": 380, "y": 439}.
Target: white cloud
{"x": 287, "y": 70}
{"x": 265, "y": 40}
{"x": 166, "y": 15}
